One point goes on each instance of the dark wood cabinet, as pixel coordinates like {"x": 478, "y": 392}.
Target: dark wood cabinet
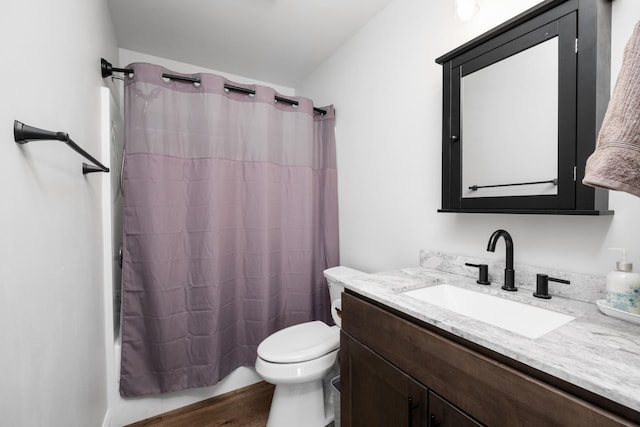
{"x": 398, "y": 372}
{"x": 379, "y": 393}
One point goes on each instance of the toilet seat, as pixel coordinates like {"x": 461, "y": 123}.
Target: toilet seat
{"x": 296, "y": 373}
{"x": 300, "y": 343}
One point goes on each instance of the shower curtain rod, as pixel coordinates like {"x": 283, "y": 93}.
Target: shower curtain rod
{"x": 108, "y": 70}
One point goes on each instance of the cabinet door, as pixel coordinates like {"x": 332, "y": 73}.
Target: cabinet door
{"x": 375, "y": 393}
{"x": 444, "y": 414}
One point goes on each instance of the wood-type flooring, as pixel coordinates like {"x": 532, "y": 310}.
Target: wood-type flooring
{"x": 246, "y": 407}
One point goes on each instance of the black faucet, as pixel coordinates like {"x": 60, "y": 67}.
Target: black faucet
{"x": 509, "y": 274}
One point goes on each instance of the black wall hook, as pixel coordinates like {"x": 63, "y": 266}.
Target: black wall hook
{"x": 24, "y": 133}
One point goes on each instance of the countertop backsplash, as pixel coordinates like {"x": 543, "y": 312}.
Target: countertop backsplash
{"x": 583, "y": 287}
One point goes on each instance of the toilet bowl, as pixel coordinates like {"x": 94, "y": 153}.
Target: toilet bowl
{"x": 297, "y": 359}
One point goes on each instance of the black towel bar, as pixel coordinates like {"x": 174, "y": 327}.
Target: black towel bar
{"x": 553, "y": 181}
{"x": 24, "y": 133}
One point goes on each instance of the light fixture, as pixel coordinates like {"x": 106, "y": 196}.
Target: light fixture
{"x": 465, "y": 9}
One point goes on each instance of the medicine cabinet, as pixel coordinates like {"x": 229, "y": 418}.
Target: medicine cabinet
{"x": 522, "y": 107}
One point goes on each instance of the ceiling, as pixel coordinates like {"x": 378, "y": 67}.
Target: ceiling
{"x": 276, "y": 41}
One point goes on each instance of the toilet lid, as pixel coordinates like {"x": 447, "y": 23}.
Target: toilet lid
{"x": 300, "y": 343}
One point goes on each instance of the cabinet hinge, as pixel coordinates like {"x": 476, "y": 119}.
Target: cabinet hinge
{"x": 576, "y": 45}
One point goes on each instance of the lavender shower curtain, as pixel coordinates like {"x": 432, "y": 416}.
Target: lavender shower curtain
{"x": 230, "y": 218}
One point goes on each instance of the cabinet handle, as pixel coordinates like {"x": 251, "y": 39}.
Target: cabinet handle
{"x": 433, "y": 422}
{"x": 411, "y": 406}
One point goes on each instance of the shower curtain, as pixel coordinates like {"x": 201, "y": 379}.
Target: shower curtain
{"x": 230, "y": 217}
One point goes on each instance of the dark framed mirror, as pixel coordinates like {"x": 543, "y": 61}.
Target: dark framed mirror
{"x": 522, "y": 105}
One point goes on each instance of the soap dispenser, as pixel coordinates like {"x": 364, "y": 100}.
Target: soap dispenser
{"x": 623, "y": 286}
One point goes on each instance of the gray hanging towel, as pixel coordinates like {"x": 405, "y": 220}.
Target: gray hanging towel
{"x": 615, "y": 163}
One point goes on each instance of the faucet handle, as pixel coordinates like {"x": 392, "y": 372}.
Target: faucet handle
{"x": 483, "y": 273}
{"x": 542, "y": 285}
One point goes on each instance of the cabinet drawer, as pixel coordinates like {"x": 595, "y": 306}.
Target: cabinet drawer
{"x": 491, "y": 392}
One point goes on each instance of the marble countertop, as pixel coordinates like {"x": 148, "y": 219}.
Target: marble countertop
{"x": 596, "y": 352}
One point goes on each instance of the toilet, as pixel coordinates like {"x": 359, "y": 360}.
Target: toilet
{"x": 297, "y": 361}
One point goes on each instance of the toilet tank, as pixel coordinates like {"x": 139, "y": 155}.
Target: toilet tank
{"x": 335, "y": 277}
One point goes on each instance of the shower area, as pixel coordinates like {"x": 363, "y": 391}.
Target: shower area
{"x": 219, "y": 218}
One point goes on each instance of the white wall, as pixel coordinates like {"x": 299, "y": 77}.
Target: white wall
{"x": 51, "y": 304}
{"x": 387, "y": 92}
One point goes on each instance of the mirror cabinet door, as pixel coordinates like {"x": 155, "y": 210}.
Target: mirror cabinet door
{"x": 509, "y": 125}
{"x": 517, "y": 134}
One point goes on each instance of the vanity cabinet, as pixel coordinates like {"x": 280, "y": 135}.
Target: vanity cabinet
{"x": 396, "y": 371}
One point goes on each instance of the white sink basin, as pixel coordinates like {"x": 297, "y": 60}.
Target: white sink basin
{"x": 523, "y": 319}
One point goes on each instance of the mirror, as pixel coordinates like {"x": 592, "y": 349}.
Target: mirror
{"x": 518, "y": 123}
{"x": 515, "y": 96}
